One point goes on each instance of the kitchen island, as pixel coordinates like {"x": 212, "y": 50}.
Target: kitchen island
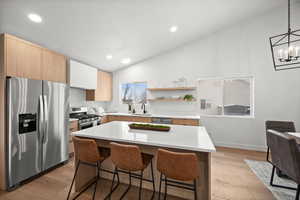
{"x": 180, "y": 138}
{"x": 188, "y": 120}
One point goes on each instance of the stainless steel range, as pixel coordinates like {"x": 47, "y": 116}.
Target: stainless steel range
{"x": 85, "y": 120}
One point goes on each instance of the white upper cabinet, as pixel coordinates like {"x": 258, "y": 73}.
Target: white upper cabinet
{"x": 83, "y": 76}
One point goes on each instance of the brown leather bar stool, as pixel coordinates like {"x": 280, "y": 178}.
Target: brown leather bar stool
{"x": 128, "y": 159}
{"x": 177, "y": 166}
{"x": 88, "y": 153}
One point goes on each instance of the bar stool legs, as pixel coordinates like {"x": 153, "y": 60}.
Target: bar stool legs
{"x": 173, "y": 183}
{"x": 153, "y": 181}
{"x": 76, "y": 170}
{"x": 130, "y": 176}
{"x": 195, "y": 190}
{"x": 97, "y": 178}
{"x": 112, "y": 188}
{"x": 160, "y": 183}
{"x": 166, "y": 183}
{"x": 129, "y": 186}
{"x": 141, "y": 182}
{"x": 98, "y": 167}
{"x": 159, "y": 191}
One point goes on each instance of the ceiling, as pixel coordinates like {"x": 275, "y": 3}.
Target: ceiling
{"x": 138, "y": 29}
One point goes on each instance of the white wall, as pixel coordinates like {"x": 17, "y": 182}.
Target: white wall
{"x": 239, "y": 50}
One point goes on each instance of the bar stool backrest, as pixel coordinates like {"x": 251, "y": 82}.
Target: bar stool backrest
{"x": 86, "y": 150}
{"x": 179, "y": 166}
{"x": 127, "y": 157}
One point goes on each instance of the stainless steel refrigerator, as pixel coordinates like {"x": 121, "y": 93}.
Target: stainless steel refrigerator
{"x": 38, "y": 116}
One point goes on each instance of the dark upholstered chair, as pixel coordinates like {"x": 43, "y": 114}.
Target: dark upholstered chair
{"x": 280, "y": 126}
{"x": 285, "y": 154}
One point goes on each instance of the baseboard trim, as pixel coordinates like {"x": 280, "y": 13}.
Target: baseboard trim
{"x": 241, "y": 146}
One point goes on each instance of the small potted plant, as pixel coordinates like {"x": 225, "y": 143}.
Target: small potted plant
{"x": 189, "y": 97}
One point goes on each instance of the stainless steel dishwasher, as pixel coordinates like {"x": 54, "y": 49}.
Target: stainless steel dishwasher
{"x": 161, "y": 120}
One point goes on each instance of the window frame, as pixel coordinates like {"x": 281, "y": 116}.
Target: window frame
{"x": 134, "y": 82}
{"x": 252, "y": 96}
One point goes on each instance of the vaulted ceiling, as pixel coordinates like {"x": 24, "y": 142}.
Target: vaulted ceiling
{"x": 138, "y": 29}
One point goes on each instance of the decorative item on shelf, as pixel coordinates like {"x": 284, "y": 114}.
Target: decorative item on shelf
{"x": 181, "y": 82}
{"x": 149, "y": 127}
{"x": 189, "y": 97}
{"x": 286, "y": 47}
{"x": 186, "y": 98}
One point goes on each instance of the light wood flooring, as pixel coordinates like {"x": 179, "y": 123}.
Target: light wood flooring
{"x": 232, "y": 179}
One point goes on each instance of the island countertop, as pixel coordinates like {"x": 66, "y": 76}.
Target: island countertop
{"x": 193, "y": 138}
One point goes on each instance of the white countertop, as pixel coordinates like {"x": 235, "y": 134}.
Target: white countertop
{"x": 154, "y": 115}
{"x": 72, "y": 119}
{"x": 194, "y": 138}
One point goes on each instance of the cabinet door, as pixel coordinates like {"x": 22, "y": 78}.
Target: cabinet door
{"x": 54, "y": 66}
{"x": 186, "y": 122}
{"x": 141, "y": 119}
{"x": 23, "y": 59}
{"x": 83, "y": 76}
{"x": 128, "y": 119}
{"x": 104, "y": 86}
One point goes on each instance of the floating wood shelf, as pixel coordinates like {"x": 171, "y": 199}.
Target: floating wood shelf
{"x": 172, "y": 89}
{"x": 169, "y": 99}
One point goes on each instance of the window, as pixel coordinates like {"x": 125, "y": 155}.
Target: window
{"x": 226, "y": 96}
{"x": 134, "y": 93}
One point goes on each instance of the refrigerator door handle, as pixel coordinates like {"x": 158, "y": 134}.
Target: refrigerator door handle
{"x": 46, "y": 113}
{"x": 41, "y": 118}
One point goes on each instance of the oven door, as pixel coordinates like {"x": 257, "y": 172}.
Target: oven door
{"x": 86, "y": 125}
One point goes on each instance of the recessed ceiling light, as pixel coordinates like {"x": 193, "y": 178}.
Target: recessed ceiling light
{"x": 108, "y": 56}
{"x": 125, "y": 61}
{"x": 173, "y": 29}
{"x": 35, "y": 18}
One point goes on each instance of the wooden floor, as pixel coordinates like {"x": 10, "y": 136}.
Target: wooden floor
{"x": 231, "y": 180}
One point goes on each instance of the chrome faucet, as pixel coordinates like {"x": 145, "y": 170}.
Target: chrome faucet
{"x": 144, "y": 108}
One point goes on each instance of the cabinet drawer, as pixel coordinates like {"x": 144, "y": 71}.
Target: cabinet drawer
{"x": 130, "y": 119}
{"x": 104, "y": 119}
{"x": 186, "y": 122}
{"x": 142, "y": 119}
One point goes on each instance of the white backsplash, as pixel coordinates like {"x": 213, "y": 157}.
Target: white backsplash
{"x": 78, "y": 99}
